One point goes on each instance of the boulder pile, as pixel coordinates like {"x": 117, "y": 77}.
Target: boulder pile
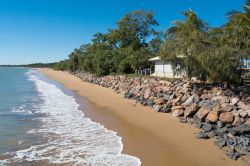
{"x": 221, "y": 111}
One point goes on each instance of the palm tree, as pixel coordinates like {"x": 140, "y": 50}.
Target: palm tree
{"x": 186, "y": 39}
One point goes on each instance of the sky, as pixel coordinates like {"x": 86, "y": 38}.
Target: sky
{"x": 48, "y": 30}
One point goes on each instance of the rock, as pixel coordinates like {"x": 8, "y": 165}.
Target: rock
{"x": 176, "y": 108}
{"x": 216, "y": 107}
{"x": 196, "y": 98}
{"x": 247, "y": 122}
{"x": 212, "y": 116}
{"x": 178, "y": 112}
{"x": 241, "y": 129}
{"x": 235, "y": 113}
{"x": 166, "y": 97}
{"x": 150, "y": 102}
{"x": 234, "y": 100}
{"x": 243, "y": 113}
{"x": 248, "y": 112}
{"x": 227, "y": 107}
{"x": 220, "y": 124}
{"x": 157, "y": 108}
{"x": 183, "y": 120}
{"x": 189, "y": 101}
{"x": 243, "y": 105}
{"x": 203, "y": 112}
{"x": 191, "y": 110}
{"x": 237, "y": 121}
{"x": 211, "y": 134}
{"x": 206, "y": 102}
{"x": 166, "y": 108}
{"x": 226, "y": 117}
{"x": 199, "y": 125}
{"x": 184, "y": 98}
{"x": 202, "y": 135}
{"x": 220, "y": 142}
{"x": 234, "y": 154}
{"x": 207, "y": 127}
{"x": 159, "y": 101}
{"x": 147, "y": 93}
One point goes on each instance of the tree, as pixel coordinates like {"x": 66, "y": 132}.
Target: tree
{"x": 133, "y": 30}
{"x": 185, "y": 41}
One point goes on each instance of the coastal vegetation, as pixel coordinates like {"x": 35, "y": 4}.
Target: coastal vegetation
{"x": 208, "y": 53}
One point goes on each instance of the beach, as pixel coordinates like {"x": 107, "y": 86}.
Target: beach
{"x": 155, "y": 138}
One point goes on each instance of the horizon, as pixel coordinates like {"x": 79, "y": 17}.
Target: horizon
{"x": 47, "y": 32}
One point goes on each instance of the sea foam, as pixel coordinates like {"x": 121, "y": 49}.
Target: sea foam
{"x": 72, "y": 138}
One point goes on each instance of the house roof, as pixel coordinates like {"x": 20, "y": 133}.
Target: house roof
{"x": 159, "y": 58}
{"x": 155, "y": 59}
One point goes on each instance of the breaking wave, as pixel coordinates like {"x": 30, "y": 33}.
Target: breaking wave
{"x": 71, "y": 138}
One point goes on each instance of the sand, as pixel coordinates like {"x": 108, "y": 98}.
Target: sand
{"x": 158, "y": 139}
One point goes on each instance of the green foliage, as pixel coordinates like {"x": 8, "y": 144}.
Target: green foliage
{"x": 210, "y": 54}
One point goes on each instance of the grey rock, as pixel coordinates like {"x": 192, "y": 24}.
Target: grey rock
{"x": 220, "y": 142}
{"x": 220, "y": 124}
{"x": 234, "y": 154}
{"x": 241, "y": 129}
{"x": 183, "y": 120}
{"x": 166, "y": 97}
{"x": 207, "y": 127}
{"x": 157, "y": 108}
{"x": 206, "y": 102}
{"x": 202, "y": 135}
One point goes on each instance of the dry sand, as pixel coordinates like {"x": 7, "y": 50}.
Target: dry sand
{"x": 158, "y": 139}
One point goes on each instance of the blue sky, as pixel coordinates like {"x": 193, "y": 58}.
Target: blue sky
{"x": 48, "y": 30}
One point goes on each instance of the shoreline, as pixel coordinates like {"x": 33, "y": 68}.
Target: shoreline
{"x": 145, "y": 134}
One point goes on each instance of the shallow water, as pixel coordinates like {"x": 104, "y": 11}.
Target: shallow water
{"x": 41, "y": 124}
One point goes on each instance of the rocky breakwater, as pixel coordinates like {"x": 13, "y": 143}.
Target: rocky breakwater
{"x": 219, "y": 111}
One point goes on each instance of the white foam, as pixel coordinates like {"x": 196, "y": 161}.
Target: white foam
{"x": 73, "y": 138}
{"x": 21, "y": 109}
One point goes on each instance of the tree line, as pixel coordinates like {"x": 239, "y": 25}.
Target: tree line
{"x": 190, "y": 45}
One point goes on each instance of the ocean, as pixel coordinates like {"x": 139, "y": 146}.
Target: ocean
{"x": 40, "y": 124}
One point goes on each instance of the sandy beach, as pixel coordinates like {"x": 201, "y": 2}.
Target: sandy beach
{"x": 158, "y": 139}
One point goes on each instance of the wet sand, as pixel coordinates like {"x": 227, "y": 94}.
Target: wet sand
{"x": 158, "y": 139}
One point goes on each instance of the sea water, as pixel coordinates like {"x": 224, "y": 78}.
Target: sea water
{"x": 41, "y": 124}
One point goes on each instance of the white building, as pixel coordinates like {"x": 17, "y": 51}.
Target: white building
{"x": 162, "y": 69}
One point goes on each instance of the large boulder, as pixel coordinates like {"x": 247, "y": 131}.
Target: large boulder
{"x": 178, "y": 112}
{"x": 203, "y": 112}
{"x": 234, "y": 100}
{"x": 157, "y": 108}
{"x": 212, "y": 116}
{"x": 227, "y": 107}
{"x": 217, "y": 107}
{"x": 147, "y": 93}
{"x": 226, "y": 117}
{"x": 247, "y": 122}
{"x": 243, "y": 113}
{"x": 243, "y": 105}
{"x": 189, "y": 101}
{"x": 191, "y": 110}
{"x": 176, "y": 108}
{"x": 159, "y": 101}
{"x": 237, "y": 121}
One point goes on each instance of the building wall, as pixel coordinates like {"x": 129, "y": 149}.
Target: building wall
{"x": 163, "y": 70}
